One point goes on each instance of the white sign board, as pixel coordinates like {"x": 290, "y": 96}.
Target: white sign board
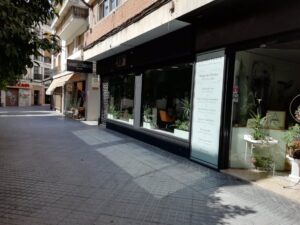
{"x": 207, "y": 107}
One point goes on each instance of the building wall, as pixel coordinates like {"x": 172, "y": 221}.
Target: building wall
{"x": 124, "y": 12}
{"x": 150, "y": 26}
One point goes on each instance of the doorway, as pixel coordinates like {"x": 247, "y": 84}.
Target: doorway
{"x": 12, "y": 97}
{"x": 36, "y": 97}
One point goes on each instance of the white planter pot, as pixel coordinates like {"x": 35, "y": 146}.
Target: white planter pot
{"x": 130, "y": 121}
{"x": 146, "y": 125}
{"x": 295, "y": 171}
{"x": 181, "y": 133}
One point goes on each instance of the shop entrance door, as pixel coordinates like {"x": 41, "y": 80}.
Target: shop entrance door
{"x": 12, "y": 97}
{"x": 36, "y": 97}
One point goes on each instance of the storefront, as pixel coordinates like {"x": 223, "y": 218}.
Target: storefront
{"x": 75, "y": 96}
{"x": 76, "y": 92}
{"x": 23, "y": 94}
{"x": 213, "y": 87}
{"x": 148, "y": 95}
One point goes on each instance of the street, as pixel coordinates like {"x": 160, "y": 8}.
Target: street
{"x": 58, "y": 171}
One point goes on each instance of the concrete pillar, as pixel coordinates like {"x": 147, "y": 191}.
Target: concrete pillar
{"x": 92, "y": 96}
{"x": 137, "y": 100}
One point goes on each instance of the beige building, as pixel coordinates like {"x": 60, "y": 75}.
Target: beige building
{"x": 74, "y": 93}
{"x": 30, "y": 90}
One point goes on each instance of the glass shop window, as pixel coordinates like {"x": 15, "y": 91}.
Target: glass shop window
{"x": 121, "y": 98}
{"x": 166, "y": 100}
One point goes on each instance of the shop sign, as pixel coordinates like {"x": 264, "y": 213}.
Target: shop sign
{"x": 23, "y": 85}
{"x": 207, "y": 107}
{"x": 95, "y": 83}
{"x": 79, "y": 66}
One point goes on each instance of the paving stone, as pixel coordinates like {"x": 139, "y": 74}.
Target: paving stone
{"x": 57, "y": 171}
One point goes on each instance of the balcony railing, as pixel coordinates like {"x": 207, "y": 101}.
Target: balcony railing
{"x": 75, "y": 12}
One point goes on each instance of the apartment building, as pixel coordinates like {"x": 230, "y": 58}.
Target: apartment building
{"x": 185, "y": 74}
{"x": 70, "y": 90}
{"x": 30, "y": 90}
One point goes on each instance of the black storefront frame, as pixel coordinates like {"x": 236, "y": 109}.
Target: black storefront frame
{"x": 166, "y": 141}
{"x": 175, "y": 48}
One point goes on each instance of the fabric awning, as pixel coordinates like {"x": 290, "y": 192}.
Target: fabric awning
{"x": 58, "y": 82}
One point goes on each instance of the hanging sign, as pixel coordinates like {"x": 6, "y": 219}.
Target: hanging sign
{"x": 207, "y": 107}
{"x": 79, "y": 66}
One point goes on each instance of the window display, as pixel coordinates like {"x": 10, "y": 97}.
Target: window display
{"x": 75, "y": 99}
{"x": 121, "y": 98}
{"x": 166, "y": 100}
{"x": 265, "y": 82}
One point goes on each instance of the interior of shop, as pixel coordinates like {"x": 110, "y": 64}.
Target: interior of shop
{"x": 166, "y": 93}
{"x": 266, "y": 103}
{"x": 121, "y": 98}
{"x": 75, "y": 100}
{"x": 166, "y": 99}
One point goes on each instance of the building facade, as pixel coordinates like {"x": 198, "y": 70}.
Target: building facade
{"x": 186, "y": 75}
{"x": 30, "y": 90}
{"x": 73, "y": 93}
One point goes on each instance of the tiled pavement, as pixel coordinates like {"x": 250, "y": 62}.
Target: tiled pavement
{"x": 55, "y": 171}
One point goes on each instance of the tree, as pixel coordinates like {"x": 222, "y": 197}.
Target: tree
{"x": 19, "y": 38}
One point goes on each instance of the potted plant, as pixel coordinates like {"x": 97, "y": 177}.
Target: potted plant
{"x": 147, "y": 118}
{"x": 182, "y": 126}
{"x": 257, "y": 130}
{"x": 112, "y": 112}
{"x": 292, "y": 139}
{"x": 259, "y": 138}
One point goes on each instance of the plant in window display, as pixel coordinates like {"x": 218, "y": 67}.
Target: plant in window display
{"x": 258, "y": 132}
{"x": 258, "y": 137}
{"x": 182, "y": 126}
{"x": 292, "y": 139}
{"x": 148, "y": 118}
{"x": 112, "y": 113}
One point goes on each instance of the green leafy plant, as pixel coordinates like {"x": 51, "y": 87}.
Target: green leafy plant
{"x": 130, "y": 116}
{"x": 263, "y": 162}
{"x": 258, "y": 132}
{"x": 184, "y": 122}
{"x": 292, "y": 139}
{"x": 182, "y": 125}
{"x": 186, "y": 107}
{"x": 147, "y": 116}
{"x": 19, "y": 40}
{"x": 112, "y": 110}
{"x": 292, "y": 134}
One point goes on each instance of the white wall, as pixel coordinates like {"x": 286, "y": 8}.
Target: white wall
{"x": 92, "y": 99}
{"x": 3, "y": 98}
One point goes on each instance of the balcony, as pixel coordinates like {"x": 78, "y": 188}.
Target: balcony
{"x": 77, "y": 53}
{"x": 75, "y": 19}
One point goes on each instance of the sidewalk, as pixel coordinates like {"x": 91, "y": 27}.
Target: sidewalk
{"x": 59, "y": 171}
